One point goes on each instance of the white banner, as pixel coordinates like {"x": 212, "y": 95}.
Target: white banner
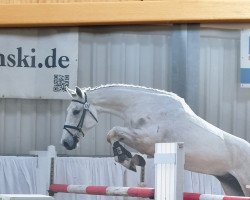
{"x": 38, "y": 63}
{"x": 245, "y": 58}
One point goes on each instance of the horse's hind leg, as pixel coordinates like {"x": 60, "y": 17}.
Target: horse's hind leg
{"x": 122, "y": 155}
{"x": 230, "y": 185}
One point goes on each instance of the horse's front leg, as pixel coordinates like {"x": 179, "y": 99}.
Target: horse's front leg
{"x": 122, "y": 155}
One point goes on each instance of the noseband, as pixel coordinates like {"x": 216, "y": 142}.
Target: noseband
{"x": 80, "y": 124}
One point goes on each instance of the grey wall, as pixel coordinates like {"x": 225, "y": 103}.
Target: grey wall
{"x": 200, "y": 65}
{"x": 222, "y": 101}
{"x": 106, "y": 55}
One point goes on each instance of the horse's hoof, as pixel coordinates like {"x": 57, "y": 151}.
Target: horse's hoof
{"x": 132, "y": 168}
{"x": 129, "y": 165}
{"x": 138, "y": 160}
{"x": 121, "y": 152}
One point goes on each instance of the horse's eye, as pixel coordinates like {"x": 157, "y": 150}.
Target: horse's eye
{"x": 76, "y": 112}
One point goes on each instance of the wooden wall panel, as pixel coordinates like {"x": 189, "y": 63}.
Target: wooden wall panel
{"x": 16, "y": 13}
{"x": 21, "y": 2}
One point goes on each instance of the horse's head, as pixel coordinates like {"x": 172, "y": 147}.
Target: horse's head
{"x": 81, "y": 116}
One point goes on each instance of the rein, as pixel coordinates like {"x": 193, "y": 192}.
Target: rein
{"x": 80, "y": 123}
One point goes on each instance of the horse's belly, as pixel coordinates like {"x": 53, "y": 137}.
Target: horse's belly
{"x": 207, "y": 165}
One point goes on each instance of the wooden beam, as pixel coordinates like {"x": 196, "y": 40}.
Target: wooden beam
{"x": 124, "y": 12}
{"x": 226, "y": 26}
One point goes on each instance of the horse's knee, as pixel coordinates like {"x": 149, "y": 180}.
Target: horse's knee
{"x": 118, "y": 133}
{"x": 111, "y": 135}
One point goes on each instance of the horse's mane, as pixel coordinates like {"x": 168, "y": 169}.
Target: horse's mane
{"x": 146, "y": 89}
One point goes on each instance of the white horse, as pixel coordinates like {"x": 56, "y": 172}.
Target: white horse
{"x": 153, "y": 116}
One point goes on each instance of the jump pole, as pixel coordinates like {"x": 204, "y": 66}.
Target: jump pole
{"x": 133, "y": 192}
{"x": 104, "y": 190}
{"x": 195, "y": 196}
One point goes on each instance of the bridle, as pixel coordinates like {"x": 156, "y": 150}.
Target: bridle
{"x": 80, "y": 123}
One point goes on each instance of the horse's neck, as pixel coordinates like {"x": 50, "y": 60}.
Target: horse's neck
{"x": 114, "y": 100}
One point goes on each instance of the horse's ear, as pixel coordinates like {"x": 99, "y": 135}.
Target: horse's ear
{"x": 72, "y": 93}
{"x": 79, "y": 92}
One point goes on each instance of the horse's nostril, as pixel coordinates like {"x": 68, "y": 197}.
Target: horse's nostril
{"x": 66, "y": 145}
{"x": 76, "y": 139}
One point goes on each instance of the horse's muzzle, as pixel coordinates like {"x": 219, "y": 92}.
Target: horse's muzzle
{"x": 70, "y": 144}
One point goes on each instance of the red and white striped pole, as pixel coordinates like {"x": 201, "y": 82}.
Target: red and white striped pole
{"x": 195, "y": 196}
{"x": 103, "y": 190}
{"x": 132, "y": 192}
